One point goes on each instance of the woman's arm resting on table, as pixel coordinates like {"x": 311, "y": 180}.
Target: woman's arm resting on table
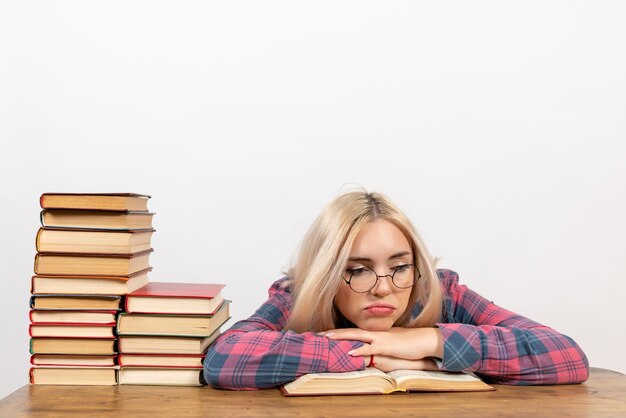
{"x": 503, "y": 346}
{"x": 256, "y": 353}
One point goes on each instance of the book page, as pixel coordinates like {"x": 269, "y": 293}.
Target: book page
{"x": 370, "y": 371}
{"x": 401, "y": 375}
{"x": 370, "y": 380}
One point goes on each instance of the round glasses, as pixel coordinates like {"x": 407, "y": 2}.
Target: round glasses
{"x": 364, "y": 279}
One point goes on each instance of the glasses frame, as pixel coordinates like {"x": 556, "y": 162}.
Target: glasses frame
{"x": 378, "y": 276}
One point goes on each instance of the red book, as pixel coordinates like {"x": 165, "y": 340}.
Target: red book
{"x": 176, "y": 298}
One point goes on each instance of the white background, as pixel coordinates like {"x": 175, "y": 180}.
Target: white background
{"x": 498, "y": 127}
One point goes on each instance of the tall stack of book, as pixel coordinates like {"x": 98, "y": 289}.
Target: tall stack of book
{"x": 165, "y": 331}
{"x": 91, "y": 250}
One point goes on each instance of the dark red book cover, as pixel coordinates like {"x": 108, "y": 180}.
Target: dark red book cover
{"x": 167, "y": 291}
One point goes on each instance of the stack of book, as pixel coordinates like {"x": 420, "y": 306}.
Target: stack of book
{"x": 91, "y": 250}
{"x": 165, "y": 331}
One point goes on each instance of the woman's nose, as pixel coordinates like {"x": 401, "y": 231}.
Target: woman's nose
{"x": 383, "y": 286}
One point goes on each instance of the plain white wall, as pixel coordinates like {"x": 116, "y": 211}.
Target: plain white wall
{"x": 498, "y": 127}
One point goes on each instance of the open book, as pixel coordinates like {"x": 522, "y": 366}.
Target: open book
{"x": 373, "y": 381}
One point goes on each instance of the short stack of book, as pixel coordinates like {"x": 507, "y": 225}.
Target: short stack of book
{"x": 165, "y": 331}
{"x": 91, "y": 250}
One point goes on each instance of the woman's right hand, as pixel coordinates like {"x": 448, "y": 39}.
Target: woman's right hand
{"x": 388, "y": 363}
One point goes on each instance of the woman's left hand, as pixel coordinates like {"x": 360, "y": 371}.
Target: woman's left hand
{"x": 405, "y": 343}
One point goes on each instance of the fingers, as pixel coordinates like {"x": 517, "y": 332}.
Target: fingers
{"x": 348, "y": 334}
{"x": 364, "y": 350}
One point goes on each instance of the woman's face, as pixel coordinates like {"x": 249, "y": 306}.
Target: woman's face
{"x": 380, "y": 246}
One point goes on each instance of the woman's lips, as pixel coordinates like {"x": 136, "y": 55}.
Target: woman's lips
{"x": 379, "y": 309}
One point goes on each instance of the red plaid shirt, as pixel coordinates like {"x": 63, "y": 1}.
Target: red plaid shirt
{"x": 478, "y": 336}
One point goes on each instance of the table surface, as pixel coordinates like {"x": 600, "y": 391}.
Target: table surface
{"x": 603, "y": 395}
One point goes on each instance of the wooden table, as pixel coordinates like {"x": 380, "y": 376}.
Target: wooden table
{"x": 603, "y": 395}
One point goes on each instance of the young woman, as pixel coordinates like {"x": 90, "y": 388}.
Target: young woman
{"x": 364, "y": 292}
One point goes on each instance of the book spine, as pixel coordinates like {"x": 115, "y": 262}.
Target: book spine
{"x": 31, "y": 377}
{"x": 41, "y": 220}
{"x": 30, "y": 345}
{"x": 38, "y": 239}
{"x": 77, "y": 324}
{"x": 36, "y": 262}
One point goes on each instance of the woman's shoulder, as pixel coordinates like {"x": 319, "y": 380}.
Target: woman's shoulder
{"x": 447, "y": 276}
{"x": 448, "y": 279}
{"x": 280, "y": 292}
{"x": 282, "y": 285}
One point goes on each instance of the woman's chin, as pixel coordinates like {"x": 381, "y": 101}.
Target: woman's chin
{"x": 376, "y": 325}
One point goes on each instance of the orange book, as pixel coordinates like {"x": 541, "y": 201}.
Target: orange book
{"x": 95, "y": 201}
{"x": 91, "y": 264}
{"x": 92, "y": 241}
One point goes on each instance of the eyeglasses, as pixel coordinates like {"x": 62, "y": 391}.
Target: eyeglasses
{"x": 364, "y": 279}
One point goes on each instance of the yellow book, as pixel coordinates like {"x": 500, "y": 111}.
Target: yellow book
{"x": 95, "y": 201}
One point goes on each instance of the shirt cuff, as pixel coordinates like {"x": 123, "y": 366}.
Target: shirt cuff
{"x": 339, "y": 360}
{"x": 462, "y": 348}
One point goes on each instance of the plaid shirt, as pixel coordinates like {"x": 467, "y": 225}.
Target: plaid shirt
{"x": 478, "y": 336}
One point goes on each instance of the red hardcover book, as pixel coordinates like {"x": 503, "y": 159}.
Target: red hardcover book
{"x": 176, "y": 298}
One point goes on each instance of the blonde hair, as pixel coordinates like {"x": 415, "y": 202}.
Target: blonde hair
{"x": 317, "y": 274}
